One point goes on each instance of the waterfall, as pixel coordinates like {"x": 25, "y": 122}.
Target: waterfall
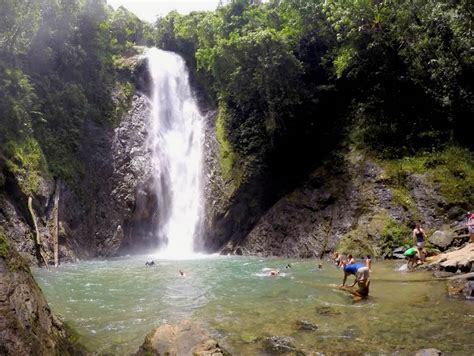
{"x": 176, "y": 142}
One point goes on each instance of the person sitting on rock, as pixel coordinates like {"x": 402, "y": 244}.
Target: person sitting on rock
{"x": 419, "y": 238}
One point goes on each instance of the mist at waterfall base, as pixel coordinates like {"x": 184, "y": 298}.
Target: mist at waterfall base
{"x": 176, "y": 143}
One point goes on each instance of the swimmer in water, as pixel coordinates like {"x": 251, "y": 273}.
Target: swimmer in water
{"x": 182, "y": 274}
{"x": 274, "y": 272}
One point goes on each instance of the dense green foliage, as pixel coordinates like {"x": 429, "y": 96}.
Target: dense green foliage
{"x": 57, "y": 73}
{"x": 292, "y": 80}
{"x": 395, "y": 75}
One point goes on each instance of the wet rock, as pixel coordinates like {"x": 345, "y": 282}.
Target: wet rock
{"x": 306, "y": 325}
{"x": 441, "y": 239}
{"x": 398, "y": 256}
{"x": 186, "y": 338}
{"x": 428, "y": 352}
{"x": 399, "y": 250}
{"x": 280, "y": 345}
{"x": 461, "y": 286}
{"x": 468, "y": 290}
{"x": 353, "y": 202}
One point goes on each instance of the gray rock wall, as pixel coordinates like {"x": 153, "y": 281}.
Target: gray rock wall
{"x": 333, "y": 202}
{"x": 27, "y": 325}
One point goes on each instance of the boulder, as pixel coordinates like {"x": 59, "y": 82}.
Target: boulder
{"x": 460, "y": 260}
{"x": 441, "y": 239}
{"x": 186, "y": 338}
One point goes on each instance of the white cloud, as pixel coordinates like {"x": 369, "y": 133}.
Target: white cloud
{"x": 148, "y": 10}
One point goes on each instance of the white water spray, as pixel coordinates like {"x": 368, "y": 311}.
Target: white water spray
{"x": 176, "y": 140}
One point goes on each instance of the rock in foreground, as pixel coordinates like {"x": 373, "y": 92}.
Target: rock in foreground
{"x": 27, "y": 325}
{"x": 186, "y": 338}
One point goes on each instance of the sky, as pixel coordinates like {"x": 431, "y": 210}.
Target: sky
{"x": 148, "y": 10}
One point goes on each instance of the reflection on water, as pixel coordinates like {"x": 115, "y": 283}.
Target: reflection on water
{"x": 114, "y": 303}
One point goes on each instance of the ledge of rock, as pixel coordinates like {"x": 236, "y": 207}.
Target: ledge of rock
{"x": 186, "y": 338}
{"x": 460, "y": 260}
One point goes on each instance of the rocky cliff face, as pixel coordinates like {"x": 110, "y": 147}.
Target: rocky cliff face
{"x": 348, "y": 203}
{"x": 27, "y": 325}
{"x": 109, "y": 210}
{"x": 124, "y": 202}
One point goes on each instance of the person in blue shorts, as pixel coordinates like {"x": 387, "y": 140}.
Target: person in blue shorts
{"x": 361, "y": 273}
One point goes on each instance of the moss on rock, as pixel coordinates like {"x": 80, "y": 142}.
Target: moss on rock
{"x": 228, "y": 159}
{"x": 377, "y": 236}
{"x": 26, "y": 160}
{"x": 450, "y": 170}
{"x": 4, "y": 245}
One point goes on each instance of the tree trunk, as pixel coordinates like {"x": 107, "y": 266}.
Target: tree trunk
{"x": 56, "y": 224}
{"x": 39, "y": 245}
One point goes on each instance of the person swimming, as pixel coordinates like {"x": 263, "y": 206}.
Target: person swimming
{"x": 150, "y": 263}
{"x": 274, "y": 272}
{"x": 182, "y": 274}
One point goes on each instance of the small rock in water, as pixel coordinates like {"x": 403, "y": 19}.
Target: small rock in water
{"x": 327, "y": 311}
{"x": 306, "y": 325}
{"x": 279, "y": 344}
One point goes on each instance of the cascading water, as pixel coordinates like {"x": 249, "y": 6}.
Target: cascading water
{"x": 176, "y": 141}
